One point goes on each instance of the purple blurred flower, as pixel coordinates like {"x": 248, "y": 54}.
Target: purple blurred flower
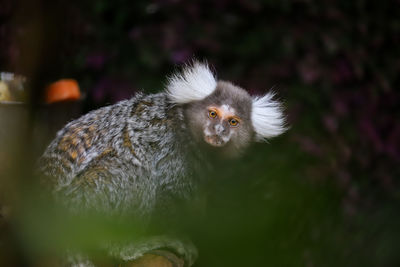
{"x": 96, "y": 60}
{"x": 344, "y": 178}
{"x": 182, "y": 55}
{"x": 309, "y": 146}
{"x": 368, "y": 129}
{"x": 393, "y": 143}
{"x": 340, "y": 105}
{"x": 112, "y": 89}
{"x": 309, "y": 69}
{"x": 330, "y": 123}
{"x": 342, "y": 71}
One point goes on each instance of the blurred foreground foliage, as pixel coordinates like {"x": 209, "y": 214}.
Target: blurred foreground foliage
{"x": 324, "y": 194}
{"x": 258, "y": 212}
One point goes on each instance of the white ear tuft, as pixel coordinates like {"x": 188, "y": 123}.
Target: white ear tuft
{"x": 267, "y": 117}
{"x": 195, "y": 82}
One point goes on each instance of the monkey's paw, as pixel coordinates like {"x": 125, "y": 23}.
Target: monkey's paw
{"x": 157, "y": 258}
{"x": 157, "y": 247}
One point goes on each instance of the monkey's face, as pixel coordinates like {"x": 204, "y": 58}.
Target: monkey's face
{"x": 221, "y": 116}
{"x": 222, "y": 120}
{"x": 221, "y": 125}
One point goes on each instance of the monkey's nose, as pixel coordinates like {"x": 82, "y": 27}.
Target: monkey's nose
{"x": 218, "y": 129}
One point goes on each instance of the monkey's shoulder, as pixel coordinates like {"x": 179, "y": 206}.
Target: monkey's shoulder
{"x": 152, "y": 111}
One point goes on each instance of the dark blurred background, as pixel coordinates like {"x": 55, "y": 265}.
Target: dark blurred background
{"x": 326, "y": 193}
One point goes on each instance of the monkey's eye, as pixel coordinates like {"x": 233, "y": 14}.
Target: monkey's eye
{"x": 233, "y": 122}
{"x": 212, "y": 113}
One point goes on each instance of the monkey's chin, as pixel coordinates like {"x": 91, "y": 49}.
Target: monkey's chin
{"x": 214, "y": 140}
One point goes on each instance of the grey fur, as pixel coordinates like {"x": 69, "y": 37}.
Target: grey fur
{"x": 121, "y": 158}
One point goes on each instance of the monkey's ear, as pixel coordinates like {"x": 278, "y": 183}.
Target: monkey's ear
{"x": 195, "y": 82}
{"x": 267, "y": 117}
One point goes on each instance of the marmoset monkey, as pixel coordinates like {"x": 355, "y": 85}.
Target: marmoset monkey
{"x": 129, "y": 157}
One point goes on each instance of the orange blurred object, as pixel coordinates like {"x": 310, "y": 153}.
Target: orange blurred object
{"x": 62, "y": 90}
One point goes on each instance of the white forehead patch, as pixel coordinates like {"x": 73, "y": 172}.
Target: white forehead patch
{"x": 227, "y": 109}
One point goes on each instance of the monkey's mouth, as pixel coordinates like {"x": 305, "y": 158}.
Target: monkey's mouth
{"x": 214, "y": 140}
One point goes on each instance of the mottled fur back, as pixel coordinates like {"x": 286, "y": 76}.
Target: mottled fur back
{"x": 117, "y": 158}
